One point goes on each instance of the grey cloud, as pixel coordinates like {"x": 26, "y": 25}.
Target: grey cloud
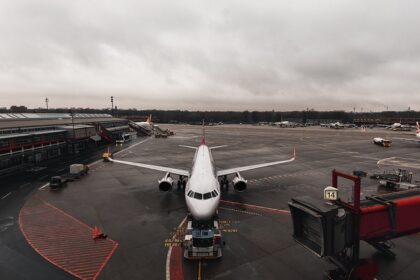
{"x": 211, "y": 55}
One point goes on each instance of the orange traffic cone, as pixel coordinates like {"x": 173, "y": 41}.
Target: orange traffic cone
{"x": 96, "y": 233}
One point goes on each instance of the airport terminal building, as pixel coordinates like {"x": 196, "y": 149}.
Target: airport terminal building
{"x": 29, "y": 139}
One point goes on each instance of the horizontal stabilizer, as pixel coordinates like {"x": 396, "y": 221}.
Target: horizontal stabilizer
{"x": 189, "y": 147}
{"x": 217, "y": 147}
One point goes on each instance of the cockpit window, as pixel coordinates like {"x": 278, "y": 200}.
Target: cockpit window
{"x": 214, "y": 193}
{"x": 198, "y": 195}
{"x": 190, "y": 194}
{"x": 207, "y": 195}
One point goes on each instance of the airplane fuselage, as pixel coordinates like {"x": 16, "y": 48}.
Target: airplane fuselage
{"x": 145, "y": 125}
{"x": 202, "y": 192}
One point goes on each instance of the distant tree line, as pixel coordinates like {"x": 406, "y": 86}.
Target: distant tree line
{"x": 184, "y": 116}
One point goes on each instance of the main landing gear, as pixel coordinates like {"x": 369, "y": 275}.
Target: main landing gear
{"x": 224, "y": 183}
{"x": 182, "y": 182}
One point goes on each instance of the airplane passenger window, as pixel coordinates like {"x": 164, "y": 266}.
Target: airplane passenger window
{"x": 198, "y": 196}
{"x": 207, "y": 195}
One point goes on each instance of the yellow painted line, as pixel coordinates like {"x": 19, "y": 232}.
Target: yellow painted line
{"x": 199, "y": 270}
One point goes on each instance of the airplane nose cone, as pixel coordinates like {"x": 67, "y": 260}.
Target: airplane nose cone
{"x": 202, "y": 215}
{"x": 202, "y": 209}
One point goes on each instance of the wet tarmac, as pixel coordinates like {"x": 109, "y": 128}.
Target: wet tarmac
{"x": 125, "y": 203}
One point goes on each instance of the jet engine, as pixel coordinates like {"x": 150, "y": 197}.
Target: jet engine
{"x": 239, "y": 183}
{"x": 165, "y": 184}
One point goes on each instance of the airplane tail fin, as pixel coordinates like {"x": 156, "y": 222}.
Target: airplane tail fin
{"x": 203, "y": 139}
{"x": 294, "y": 152}
{"x": 149, "y": 118}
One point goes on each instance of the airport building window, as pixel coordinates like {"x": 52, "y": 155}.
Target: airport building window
{"x": 23, "y": 140}
{"x": 4, "y": 143}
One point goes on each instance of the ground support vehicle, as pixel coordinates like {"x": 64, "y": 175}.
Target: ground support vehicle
{"x": 57, "y": 182}
{"x": 203, "y": 239}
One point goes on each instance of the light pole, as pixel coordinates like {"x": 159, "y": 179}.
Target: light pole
{"x": 74, "y": 134}
{"x": 46, "y": 102}
{"x": 112, "y": 105}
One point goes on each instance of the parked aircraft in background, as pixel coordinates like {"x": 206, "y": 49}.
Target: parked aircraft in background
{"x": 148, "y": 124}
{"x": 399, "y": 126}
{"x": 417, "y": 130}
{"x": 202, "y": 189}
{"x": 417, "y": 139}
{"x": 336, "y": 125}
{"x": 285, "y": 124}
{"x": 394, "y": 126}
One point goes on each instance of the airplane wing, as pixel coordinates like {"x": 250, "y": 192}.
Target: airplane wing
{"x": 251, "y": 167}
{"x": 154, "y": 167}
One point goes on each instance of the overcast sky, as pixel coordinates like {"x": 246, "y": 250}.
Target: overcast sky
{"x": 211, "y": 55}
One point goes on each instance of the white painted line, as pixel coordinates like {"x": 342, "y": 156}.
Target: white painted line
{"x": 6, "y": 195}
{"x": 168, "y": 260}
{"x": 383, "y": 160}
{"x": 101, "y": 160}
{"x": 44, "y": 186}
{"x": 132, "y": 146}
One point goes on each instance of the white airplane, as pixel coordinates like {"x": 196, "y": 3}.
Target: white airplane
{"x": 395, "y": 126}
{"x": 202, "y": 190}
{"x": 418, "y": 131}
{"x": 399, "y": 126}
{"x": 336, "y": 125}
{"x": 417, "y": 139}
{"x": 285, "y": 124}
{"x": 148, "y": 124}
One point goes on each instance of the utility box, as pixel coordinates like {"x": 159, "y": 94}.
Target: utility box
{"x": 320, "y": 226}
{"x": 77, "y": 170}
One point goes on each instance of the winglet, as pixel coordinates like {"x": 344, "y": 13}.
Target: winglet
{"x": 203, "y": 139}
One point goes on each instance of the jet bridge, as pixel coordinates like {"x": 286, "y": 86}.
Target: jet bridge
{"x": 334, "y": 229}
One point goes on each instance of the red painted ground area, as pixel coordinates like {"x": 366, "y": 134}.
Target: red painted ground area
{"x": 63, "y": 240}
{"x": 176, "y": 264}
